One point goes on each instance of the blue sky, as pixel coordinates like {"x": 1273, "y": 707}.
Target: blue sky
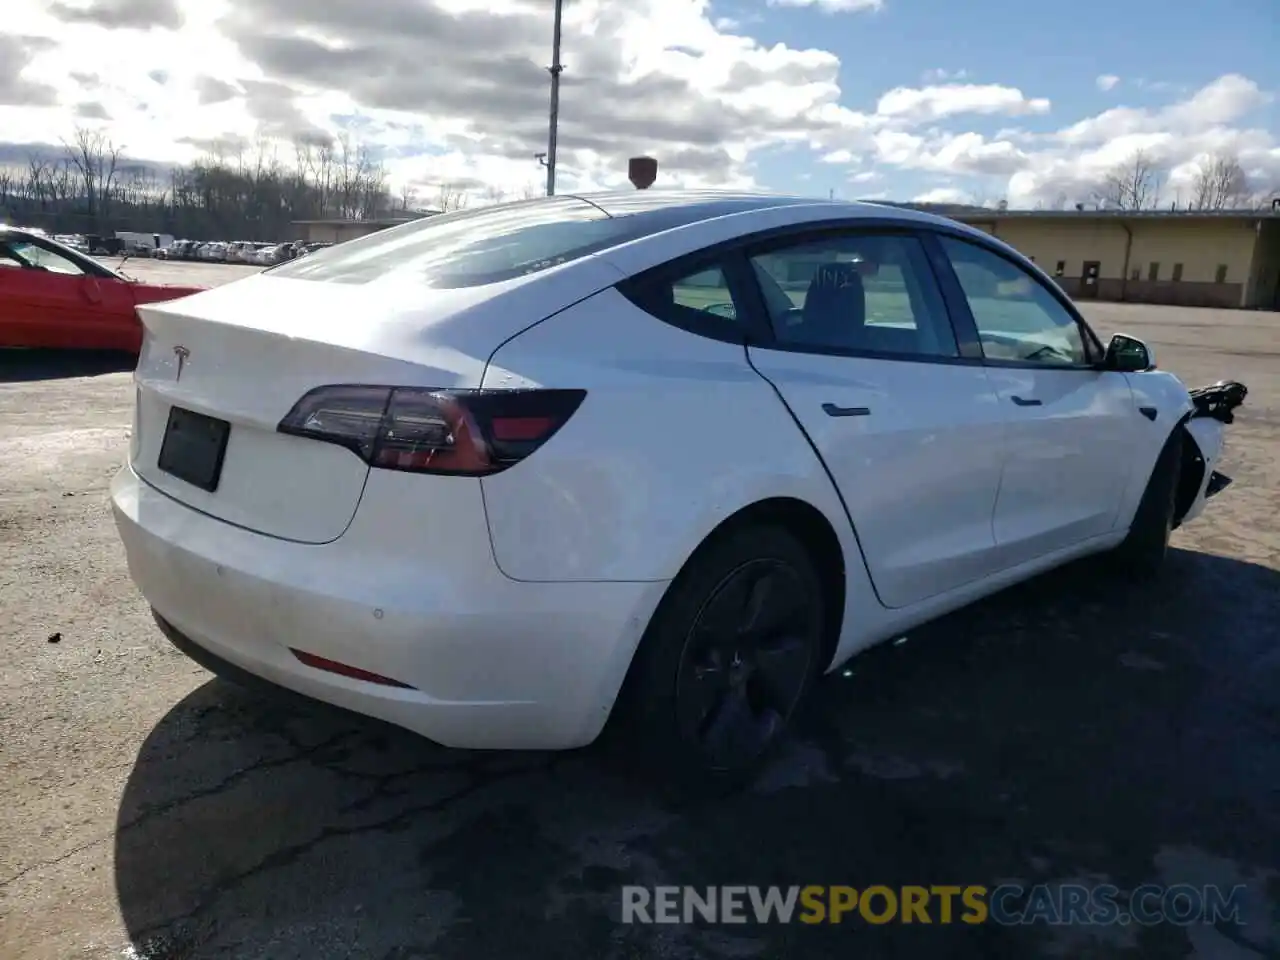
{"x": 1159, "y": 53}
{"x": 905, "y": 99}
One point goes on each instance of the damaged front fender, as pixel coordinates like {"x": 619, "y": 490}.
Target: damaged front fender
{"x": 1213, "y": 408}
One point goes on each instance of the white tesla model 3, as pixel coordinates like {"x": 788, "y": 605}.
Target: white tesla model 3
{"x": 496, "y": 475}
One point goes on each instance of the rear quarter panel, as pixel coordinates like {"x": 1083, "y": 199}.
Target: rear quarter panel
{"x": 676, "y": 434}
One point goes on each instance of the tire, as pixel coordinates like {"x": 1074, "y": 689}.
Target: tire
{"x": 1143, "y": 550}
{"x": 691, "y": 659}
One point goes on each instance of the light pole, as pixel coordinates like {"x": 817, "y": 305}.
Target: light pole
{"x": 555, "y": 70}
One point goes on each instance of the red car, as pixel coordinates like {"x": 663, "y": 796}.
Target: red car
{"x": 53, "y": 297}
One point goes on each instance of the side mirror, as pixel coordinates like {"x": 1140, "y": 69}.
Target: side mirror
{"x": 1128, "y": 355}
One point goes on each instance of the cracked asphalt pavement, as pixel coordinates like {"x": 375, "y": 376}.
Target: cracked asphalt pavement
{"x": 1073, "y": 729}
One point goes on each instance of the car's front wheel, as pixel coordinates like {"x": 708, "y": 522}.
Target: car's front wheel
{"x": 728, "y": 658}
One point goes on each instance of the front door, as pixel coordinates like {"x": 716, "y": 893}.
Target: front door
{"x": 1089, "y": 280}
{"x": 866, "y": 360}
{"x": 42, "y": 295}
{"x": 1070, "y": 426}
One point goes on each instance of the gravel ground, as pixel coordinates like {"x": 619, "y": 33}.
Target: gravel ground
{"x": 1071, "y": 729}
{"x": 180, "y": 271}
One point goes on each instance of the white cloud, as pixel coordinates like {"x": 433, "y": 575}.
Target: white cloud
{"x": 443, "y": 78}
{"x": 1223, "y": 101}
{"x": 966, "y": 153}
{"x": 1078, "y": 157}
{"x": 454, "y": 92}
{"x": 839, "y": 156}
{"x": 948, "y": 100}
{"x": 1107, "y": 81}
{"x": 943, "y": 195}
{"x": 832, "y": 6}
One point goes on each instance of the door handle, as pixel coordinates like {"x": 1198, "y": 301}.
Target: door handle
{"x": 1025, "y": 402}
{"x": 832, "y": 410}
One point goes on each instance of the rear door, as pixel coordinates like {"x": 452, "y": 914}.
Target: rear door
{"x": 865, "y": 357}
{"x": 1070, "y": 426}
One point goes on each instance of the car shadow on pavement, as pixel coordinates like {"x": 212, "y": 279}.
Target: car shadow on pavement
{"x": 1074, "y": 729}
{"x": 24, "y": 366}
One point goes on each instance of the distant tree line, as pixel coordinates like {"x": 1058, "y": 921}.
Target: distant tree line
{"x": 250, "y": 194}
{"x": 1140, "y": 182}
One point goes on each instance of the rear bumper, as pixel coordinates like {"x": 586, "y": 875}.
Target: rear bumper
{"x": 489, "y": 662}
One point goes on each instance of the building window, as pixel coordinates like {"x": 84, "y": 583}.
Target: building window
{"x": 1177, "y": 272}
{"x": 1221, "y": 275}
{"x": 1060, "y": 269}
{"x": 1153, "y": 271}
{"x": 1135, "y": 273}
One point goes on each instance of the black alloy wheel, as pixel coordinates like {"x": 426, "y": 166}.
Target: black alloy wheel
{"x": 727, "y": 659}
{"x": 746, "y": 662}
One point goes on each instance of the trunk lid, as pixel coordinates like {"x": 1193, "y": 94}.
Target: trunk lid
{"x": 251, "y": 349}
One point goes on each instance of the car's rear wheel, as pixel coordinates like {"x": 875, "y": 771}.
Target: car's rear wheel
{"x": 1143, "y": 550}
{"x": 728, "y": 658}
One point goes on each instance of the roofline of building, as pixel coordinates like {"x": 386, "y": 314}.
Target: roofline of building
{"x": 1183, "y": 215}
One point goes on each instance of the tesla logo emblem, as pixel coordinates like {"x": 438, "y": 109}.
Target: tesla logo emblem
{"x": 182, "y": 353}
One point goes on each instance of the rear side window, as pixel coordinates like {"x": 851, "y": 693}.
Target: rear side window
{"x": 697, "y": 299}
{"x": 475, "y": 247}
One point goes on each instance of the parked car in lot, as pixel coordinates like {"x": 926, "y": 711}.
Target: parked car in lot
{"x": 667, "y": 458}
{"x": 242, "y": 251}
{"x": 271, "y": 255}
{"x": 214, "y": 252}
{"x": 53, "y": 296}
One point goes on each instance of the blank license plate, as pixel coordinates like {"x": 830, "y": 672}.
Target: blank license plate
{"x": 193, "y": 448}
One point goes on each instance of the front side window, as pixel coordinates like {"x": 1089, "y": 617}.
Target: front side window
{"x": 1017, "y": 318}
{"x": 856, "y": 292}
{"x": 25, "y": 253}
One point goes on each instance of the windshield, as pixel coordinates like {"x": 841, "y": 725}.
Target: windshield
{"x": 475, "y": 247}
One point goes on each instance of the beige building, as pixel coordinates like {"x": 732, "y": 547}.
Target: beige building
{"x": 1190, "y": 258}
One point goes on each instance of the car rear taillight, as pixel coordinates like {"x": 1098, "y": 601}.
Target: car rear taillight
{"x": 462, "y": 432}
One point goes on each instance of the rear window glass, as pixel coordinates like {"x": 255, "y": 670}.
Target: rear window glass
{"x": 475, "y": 247}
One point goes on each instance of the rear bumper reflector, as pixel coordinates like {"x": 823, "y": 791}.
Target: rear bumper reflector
{"x": 346, "y": 670}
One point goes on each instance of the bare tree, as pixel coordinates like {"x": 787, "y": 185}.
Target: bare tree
{"x": 233, "y": 192}
{"x": 1133, "y": 184}
{"x": 37, "y": 172}
{"x": 1220, "y": 183}
{"x": 95, "y": 158}
{"x": 494, "y": 195}
{"x": 450, "y": 197}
